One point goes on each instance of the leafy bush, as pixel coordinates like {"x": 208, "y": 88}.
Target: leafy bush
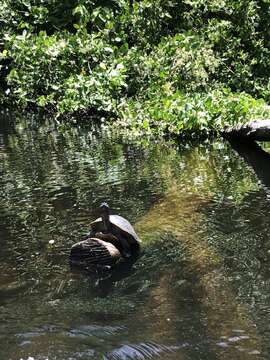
{"x": 171, "y": 66}
{"x": 66, "y": 72}
{"x": 191, "y": 114}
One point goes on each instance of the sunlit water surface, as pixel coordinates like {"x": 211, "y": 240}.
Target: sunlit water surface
{"x": 200, "y": 290}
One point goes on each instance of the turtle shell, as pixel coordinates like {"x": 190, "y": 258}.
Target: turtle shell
{"x": 119, "y": 225}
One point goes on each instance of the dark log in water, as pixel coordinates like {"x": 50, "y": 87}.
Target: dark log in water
{"x": 94, "y": 253}
{"x": 257, "y": 130}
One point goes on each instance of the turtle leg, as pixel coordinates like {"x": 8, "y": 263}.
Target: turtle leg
{"x": 91, "y": 233}
{"x": 88, "y": 235}
{"x": 108, "y": 238}
{"x": 126, "y": 253}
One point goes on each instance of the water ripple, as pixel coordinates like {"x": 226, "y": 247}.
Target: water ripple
{"x": 95, "y": 330}
{"x": 140, "y": 351}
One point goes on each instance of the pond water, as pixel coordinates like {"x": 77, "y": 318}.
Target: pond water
{"x": 200, "y": 290}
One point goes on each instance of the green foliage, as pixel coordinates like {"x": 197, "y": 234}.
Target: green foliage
{"x": 191, "y": 114}
{"x": 174, "y": 66}
{"x": 66, "y": 72}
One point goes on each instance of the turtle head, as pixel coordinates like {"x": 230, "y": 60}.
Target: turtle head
{"x": 104, "y": 207}
{"x": 105, "y": 215}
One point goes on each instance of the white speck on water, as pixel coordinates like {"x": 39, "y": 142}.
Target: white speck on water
{"x": 244, "y": 337}
{"x": 25, "y": 343}
{"x": 240, "y": 348}
{"x": 234, "y": 339}
{"x": 222, "y": 344}
{"x": 254, "y": 352}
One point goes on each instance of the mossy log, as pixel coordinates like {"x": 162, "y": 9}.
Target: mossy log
{"x": 257, "y": 130}
{"x": 94, "y": 253}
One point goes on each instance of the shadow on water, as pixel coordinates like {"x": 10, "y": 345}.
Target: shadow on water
{"x": 200, "y": 288}
{"x": 256, "y": 157}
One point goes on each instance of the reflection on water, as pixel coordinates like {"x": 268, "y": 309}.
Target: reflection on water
{"x": 200, "y": 290}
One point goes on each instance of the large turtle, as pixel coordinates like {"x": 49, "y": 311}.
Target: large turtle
{"x": 117, "y": 226}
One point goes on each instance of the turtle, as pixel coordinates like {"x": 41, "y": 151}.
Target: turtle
{"x": 93, "y": 254}
{"x": 116, "y": 226}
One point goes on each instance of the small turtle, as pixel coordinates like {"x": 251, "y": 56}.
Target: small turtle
{"x": 118, "y": 227}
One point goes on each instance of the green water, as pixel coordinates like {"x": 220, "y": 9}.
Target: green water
{"x": 200, "y": 290}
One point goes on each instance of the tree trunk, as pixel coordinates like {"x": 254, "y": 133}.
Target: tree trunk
{"x": 257, "y": 130}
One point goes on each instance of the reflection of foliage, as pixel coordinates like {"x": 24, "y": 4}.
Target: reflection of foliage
{"x": 220, "y": 173}
{"x": 52, "y": 182}
{"x": 266, "y": 146}
{"x": 74, "y": 165}
{"x": 164, "y": 250}
{"x": 197, "y": 209}
{"x": 240, "y": 234}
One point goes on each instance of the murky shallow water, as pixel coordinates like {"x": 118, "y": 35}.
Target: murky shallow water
{"x": 200, "y": 289}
